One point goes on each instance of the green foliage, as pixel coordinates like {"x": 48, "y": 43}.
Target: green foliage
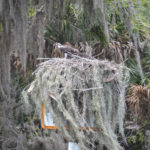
{"x": 19, "y": 81}
{"x": 132, "y": 139}
{"x": 132, "y": 64}
{"x": 31, "y": 9}
{"x": 62, "y": 29}
{"x": 138, "y": 17}
{"x": 134, "y": 73}
{"x": 75, "y": 26}
{"x": 141, "y": 21}
{"x": 38, "y": 131}
{"x": 71, "y": 13}
{"x": 136, "y": 139}
{"x": 31, "y": 12}
{"x": 61, "y": 32}
{"x": 116, "y": 16}
{"x": 33, "y": 2}
{"x": 96, "y": 32}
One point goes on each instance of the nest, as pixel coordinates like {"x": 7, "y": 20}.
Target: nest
{"x": 81, "y": 92}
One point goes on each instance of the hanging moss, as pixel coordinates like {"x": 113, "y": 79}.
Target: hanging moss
{"x": 76, "y": 90}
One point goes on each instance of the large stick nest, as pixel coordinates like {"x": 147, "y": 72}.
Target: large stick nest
{"x": 78, "y": 90}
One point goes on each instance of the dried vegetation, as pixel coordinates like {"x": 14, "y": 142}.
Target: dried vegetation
{"x": 139, "y": 101}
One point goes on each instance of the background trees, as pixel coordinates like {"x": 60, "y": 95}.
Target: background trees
{"x": 117, "y": 30}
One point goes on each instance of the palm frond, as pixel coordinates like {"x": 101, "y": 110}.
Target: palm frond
{"x": 139, "y": 101}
